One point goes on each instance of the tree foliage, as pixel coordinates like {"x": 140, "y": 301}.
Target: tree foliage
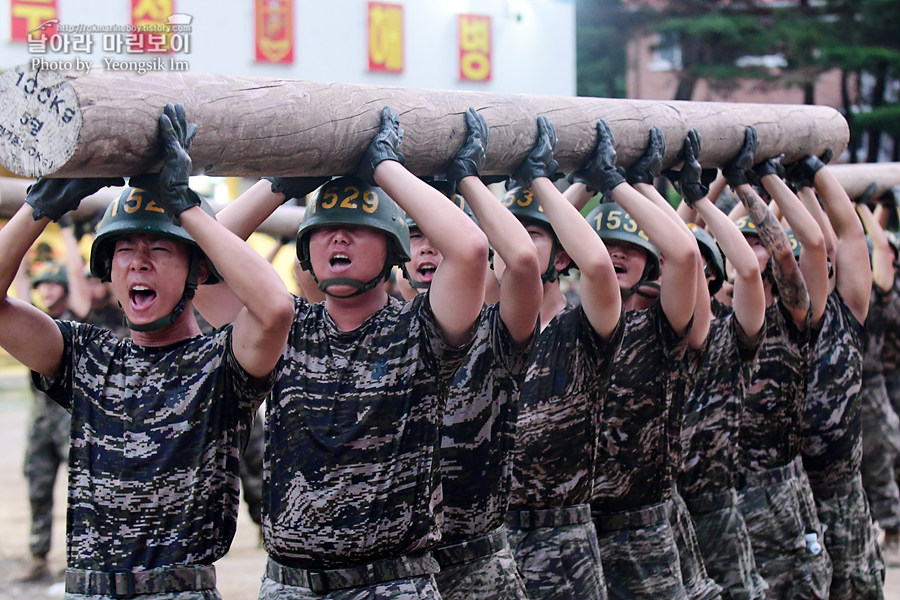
{"x": 723, "y": 42}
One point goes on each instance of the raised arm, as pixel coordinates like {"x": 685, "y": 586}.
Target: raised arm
{"x": 749, "y": 301}
{"x": 261, "y": 327}
{"x": 642, "y": 175}
{"x": 813, "y": 255}
{"x": 26, "y": 332}
{"x": 464, "y": 247}
{"x": 217, "y": 303}
{"x": 882, "y": 255}
{"x": 851, "y": 257}
{"x": 79, "y": 300}
{"x": 599, "y": 290}
{"x": 520, "y": 284}
{"x": 682, "y": 258}
{"x": 789, "y": 279}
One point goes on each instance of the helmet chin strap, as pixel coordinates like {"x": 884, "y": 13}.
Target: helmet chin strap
{"x": 190, "y": 286}
{"x": 361, "y": 286}
{"x": 551, "y": 274}
{"x": 647, "y": 284}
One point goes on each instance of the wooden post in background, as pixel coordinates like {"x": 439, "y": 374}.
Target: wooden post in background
{"x": 105, "y": 124}
{"x": 855, "y": 178}
{"x": 283, "y": 223}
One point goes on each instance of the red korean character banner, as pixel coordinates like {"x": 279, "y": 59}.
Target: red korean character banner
{"x": 474, "y": 48}
{"x": 274, "y": 31}
{"x": 150, "y": 19}
{"x": 32, "y": 19}
{"x": 385, "y": 37}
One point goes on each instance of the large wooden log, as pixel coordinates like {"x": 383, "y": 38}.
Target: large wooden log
{"x": 105, "y": 123}
{"x": 855, "y": 178}
{"x": 283, "y": 223}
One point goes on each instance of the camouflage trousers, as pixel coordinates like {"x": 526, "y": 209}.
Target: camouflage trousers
{"x": 46, "y": 450}
{"x": 279, "y": 583}
{"x": 788, "y": 540}
{"x": 725, "y": 545}
{"x": 858, "y": 572}
{"x": 640, "y": 554}
{"x": 482, "y": 568}
{"x": 557, "y": 553}
{"x": 697, "y": 583}
{"x": 881, "y": 447}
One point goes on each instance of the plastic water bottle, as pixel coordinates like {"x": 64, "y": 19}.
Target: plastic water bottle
{"x": 812, "y": 544}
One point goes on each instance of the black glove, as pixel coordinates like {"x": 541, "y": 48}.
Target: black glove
{"x": 169, "y": 187}
{"x": 649, "y": 164}
{"x": 736, "y": 170}
{"x": 384, "y": 146}
{"x": 472, "y": 155}
{"x": 296, "y": 187}
{"x": 691, "y": 183}
{"x": 601, "y": 174}
{"x": 866, "y": 196}
{"x": 539, "y": 162}
{"x": 491, "y": 179}
{"x": 803, "y": 172}
{"x": 771, "y": 166}
{"x": 52, "y": 198}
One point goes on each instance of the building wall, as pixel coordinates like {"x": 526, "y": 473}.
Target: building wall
{"x": 533, "y": 41}
{"x": 646, "y": 78}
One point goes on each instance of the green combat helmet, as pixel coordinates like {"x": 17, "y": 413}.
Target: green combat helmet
{"x": 134, "y": 211}
{"x": 52, "y": 272}
{"x": 522, "y": 203}
{"x": 351, "y": 201}
{"x": 613, "y": 223}
{"x": 715, "y": 263}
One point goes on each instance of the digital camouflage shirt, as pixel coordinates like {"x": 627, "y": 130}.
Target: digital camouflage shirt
{"x": 831, "y": 445}
{"x": 873, "y": 353}
{"x": 712, "y": 413}
{"x": 351, "y": 470}
{"x": 559, "y": 416}
{"x": 891, "y": 351}
{"x": 773, "y": 407}
{"x": 479, "y": 430}
{"x": 155, "y": 440}
{"x": 633, "y": 466}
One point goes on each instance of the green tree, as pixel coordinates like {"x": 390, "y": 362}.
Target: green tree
{"x": 863, "y": 43}
{"x": 602, "y": 31}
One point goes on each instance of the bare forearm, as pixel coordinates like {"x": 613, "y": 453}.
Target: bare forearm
{"x": 728, "y": 236}
{"x": 507, "y": 236}
{"x": 79, "y": 300}
{"x": 791, "y": 286}
{"x": 16, "y": 237}
{"x": 243, "y": 216}
{"x": 252, "y": 280}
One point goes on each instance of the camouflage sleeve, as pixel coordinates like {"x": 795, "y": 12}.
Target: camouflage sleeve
{"x": 882, "y": 297}
{"x": 674, "y": 345}
{"x": 516, "y": 362}
{"x": 800, "y": 337}
{"x": 748, "y": 349}
{"x": 59, "y": 389}
{"x": 249, "y": 391}
{"x": 600, "y": 352}
{"x": 444, "y": 357}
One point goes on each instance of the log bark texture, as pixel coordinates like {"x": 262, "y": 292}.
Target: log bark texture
{"x": 283, "y": 223}
{"x": 105, "y": 123}
{"x": 855, "y": 178}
